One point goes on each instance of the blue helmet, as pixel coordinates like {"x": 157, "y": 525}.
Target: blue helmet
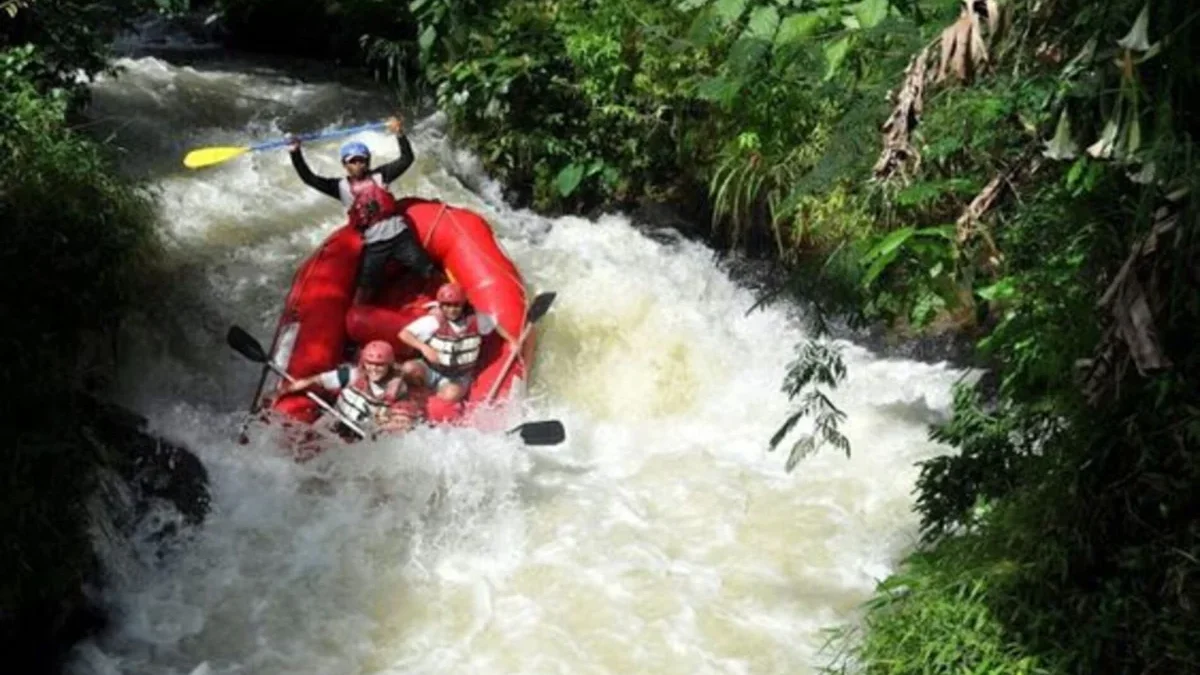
{"x": 355, "y": 149}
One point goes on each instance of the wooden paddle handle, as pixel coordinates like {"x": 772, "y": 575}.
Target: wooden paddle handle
{"x": 321, "y": 402}
{"x": 508, "y": 364}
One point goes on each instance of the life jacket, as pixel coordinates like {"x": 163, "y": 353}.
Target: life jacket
{"x": 357, "y": 402}
{"x": 457, "y": 352}
{"x": 370, "y": 202}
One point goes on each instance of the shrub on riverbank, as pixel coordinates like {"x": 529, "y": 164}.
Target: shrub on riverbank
{"x": 76, "y": 242}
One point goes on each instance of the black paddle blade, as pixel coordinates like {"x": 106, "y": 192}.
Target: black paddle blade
{"x": 541, "y": 304}
{"x": 550, "y": 432}
{"x": 245, "y": 344}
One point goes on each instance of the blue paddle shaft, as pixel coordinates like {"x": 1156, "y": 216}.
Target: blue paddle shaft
{"x": 317, "y": 135}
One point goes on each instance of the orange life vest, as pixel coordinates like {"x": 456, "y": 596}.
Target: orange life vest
{"x": 371, "y": 203}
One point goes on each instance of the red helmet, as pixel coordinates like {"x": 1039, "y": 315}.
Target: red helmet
{"x": 377, "y": 352}
{"x": 451, "y": 294}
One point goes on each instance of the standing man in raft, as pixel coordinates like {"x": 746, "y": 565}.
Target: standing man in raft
{"x": 372, "y": 209}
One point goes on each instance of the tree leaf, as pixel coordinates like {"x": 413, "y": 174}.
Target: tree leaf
{"x": 919, "y": 194}
{"x": 428, "y": 37}
{"x": 870, "y": 13}
{"x": 568, "y": 179}
{"x": 796, "y": 27}
{"x": 729, "y": 11}
{"x": 890, "y": 243}
{"x": 835, "y": 54}
{"x": 703, "y": 29}
{"x": 689, "y": 5}
{"x": 716, "y": 89}
{"x": 946, "y": 232}
{"x": 763, "y": 23}
{"x": 881, "y": 263}
{"x": 998, "y": 291}
{"x": 745, "y": 55}
{"x": 884, "y": 253}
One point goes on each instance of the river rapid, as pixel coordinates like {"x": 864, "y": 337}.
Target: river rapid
{"x": 662, "y": 537}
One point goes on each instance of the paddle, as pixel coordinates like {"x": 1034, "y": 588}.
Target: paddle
{"x": 245, "y": 344}
{"x": 549, "y": 432}
{"x": 541, "y": 304}
{"x": 202, "y": 157}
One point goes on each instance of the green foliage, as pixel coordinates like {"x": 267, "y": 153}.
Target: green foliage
{"x": 70, "y": 35}
{"x": 65, "y": 212}
{"x": 818, "y": 363}
{"x": 781, "y": 92}
{"x": 579, "y": 103}
{"x": 938, "y": 617}
{"x": 1068, "y": 511}
{"x": 994, "y": 452}
{"x": 76, "y": 244}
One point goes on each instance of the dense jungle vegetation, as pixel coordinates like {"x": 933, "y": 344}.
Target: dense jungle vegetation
{"x": 1021, "y": 171}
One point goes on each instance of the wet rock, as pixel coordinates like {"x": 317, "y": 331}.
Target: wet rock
{"x": 38, "y": 638}
{"x": 651, "y": 216}
{"x": 160, "y": 35}
{"x": 153, "y": 467}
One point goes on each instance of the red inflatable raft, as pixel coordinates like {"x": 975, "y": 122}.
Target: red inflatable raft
{"x": 319, "y": 329}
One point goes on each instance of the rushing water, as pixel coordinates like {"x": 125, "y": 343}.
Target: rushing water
{"x": 662, "y": 537}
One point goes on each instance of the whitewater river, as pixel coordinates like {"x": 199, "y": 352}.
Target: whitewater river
{"x": 662, "y": 537}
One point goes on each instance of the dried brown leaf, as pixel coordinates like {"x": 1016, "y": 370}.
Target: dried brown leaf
{"x": 992, "y": 7}
{"x": 898, "y": 151}
{"x": 956, "y": 40}
{"x": 978, "y": 52}
{"x": 963, "y": 48}
{"x": 1134, "y": 299}
{"x": 980, "y": 205}
{"x": 968, "y": 223}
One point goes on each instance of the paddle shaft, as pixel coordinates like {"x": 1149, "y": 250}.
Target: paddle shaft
{"x": 262, "y": 379}
{"x": 319, "y": 401}
{"x": 318, "y": 135}
{"x": 512, "y": 357}
{"x": 204, "y": 157}
{"x": 539, "y": 307}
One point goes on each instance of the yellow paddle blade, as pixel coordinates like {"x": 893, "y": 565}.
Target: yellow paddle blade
{"x": 209, "y": 156}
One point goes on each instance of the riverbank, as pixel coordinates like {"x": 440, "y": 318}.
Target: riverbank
{"x": 77, "y": 249}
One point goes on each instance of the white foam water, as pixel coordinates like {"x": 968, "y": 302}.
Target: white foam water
{"x": 662, "y": 537}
